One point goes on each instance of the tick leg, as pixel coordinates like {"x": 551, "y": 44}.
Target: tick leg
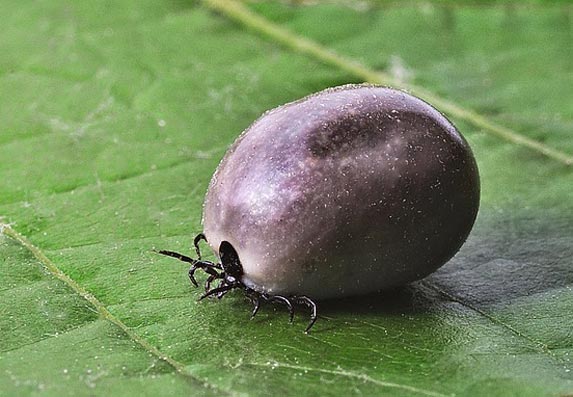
{"x": 256, "y": 306}
{"x": 222, "y": 284}
{"x": 286, "y": 301}
{"x": 196, "y": 241}
{"x": 183, "y": 258}
{"x": 213, "y": 275}
{"x": 192, "y": 276}
{"x": 207, "y": 267}
{"x": 177, "y": 255}
{"x": 305, "y": 300}
{"x": 255, "y": 299}
{"x": 218, "y": 290}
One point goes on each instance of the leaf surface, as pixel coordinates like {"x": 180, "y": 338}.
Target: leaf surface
{"x": 114, "y": 117}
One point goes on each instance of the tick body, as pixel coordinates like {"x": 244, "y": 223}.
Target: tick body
{"x": 348, "y": 191}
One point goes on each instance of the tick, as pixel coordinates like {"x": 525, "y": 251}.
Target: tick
{"x": 345, "y": 192}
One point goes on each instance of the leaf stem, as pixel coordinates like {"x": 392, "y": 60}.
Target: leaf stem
{"x": 238, "y": 12}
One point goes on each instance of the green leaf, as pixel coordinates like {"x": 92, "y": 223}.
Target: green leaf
{"x": 114, "y": 117}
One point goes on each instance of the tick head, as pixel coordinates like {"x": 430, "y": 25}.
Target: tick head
{"x": 231, "y": 263}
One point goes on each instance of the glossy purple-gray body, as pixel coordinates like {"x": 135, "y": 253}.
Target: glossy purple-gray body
{"x": 348, "y": 191}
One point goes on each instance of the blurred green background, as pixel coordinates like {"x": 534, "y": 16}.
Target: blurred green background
{"x": 114, "y": 116}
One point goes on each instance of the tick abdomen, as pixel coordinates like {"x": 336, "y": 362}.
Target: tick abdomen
{"x": 348, "y": 191}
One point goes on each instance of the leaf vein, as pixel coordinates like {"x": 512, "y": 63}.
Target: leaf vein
{"x": 353, "y": 375}
{"x": 53, "y": 269}
{"x": 46, "y": 337}
{"x": 240, "y": 13}
{"x": 540, "y": 346}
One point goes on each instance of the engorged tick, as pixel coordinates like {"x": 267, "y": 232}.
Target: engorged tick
{"x": 348, "y": 191}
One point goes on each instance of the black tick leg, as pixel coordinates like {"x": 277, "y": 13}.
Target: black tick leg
{"x": 255, "y": 299}
{"x": 286, "y": 302}
{"x": 213, "y": 275}
{"x": 207, "y": 266}
{"x": 305, "y": 300}
{"x": 177, "y": 255}
{"x": 289, "y": 302}
{"x": 217, "y": 291}
{"x": 196, "y": 241}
